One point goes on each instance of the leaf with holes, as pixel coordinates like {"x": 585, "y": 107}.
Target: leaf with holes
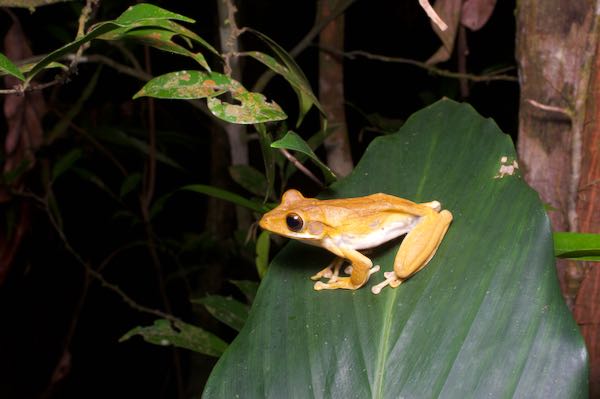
{"x": 485, "y": 318}
{"x": 253, "y": 108}
{"x": 183, "y": 85}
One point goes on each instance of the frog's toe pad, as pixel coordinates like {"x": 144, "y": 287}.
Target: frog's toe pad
{"x": 326, "y": 273}
{"x": 390, "y": 279}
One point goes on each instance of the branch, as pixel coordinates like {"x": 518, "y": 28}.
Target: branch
{"x": 301, "y": 167}
{"x": 430, "y": 68}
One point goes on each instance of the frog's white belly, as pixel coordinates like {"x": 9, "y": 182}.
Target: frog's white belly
{"x": 380, "y": 233}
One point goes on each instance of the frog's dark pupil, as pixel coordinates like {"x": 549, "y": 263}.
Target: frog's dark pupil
{"x": 294, "y": 222}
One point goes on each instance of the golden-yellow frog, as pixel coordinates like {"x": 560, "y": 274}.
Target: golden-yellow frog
{"x": 344, "y": 226}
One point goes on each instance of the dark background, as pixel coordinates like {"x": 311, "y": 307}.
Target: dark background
{"x": 44, "y": 301}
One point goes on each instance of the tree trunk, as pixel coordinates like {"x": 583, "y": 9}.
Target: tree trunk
{"x": 331, "y": 90}
{"x": 587, "y": 304}
{"x": 559, "y": 136}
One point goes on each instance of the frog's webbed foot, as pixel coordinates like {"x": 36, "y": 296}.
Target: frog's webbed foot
{"x": 390, "y": 279}
{"x": 332, "y": 271}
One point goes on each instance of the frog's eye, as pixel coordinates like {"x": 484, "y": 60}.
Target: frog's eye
{"x": 294, "y": 222}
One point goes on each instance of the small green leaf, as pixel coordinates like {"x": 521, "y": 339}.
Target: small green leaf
{"x": 225, "y": 309}
{"x": 6, "y": 66}
{"x": 292, "y": 141}
{"x": 156, "y": 37}
{"x": 227, "y": 196}
{"x": 577, "y": 246}
{"x": 66, "y": 162}
{"x": 263, "y": 243}
{"x": 247, "y": 287}
{"x": 293, "y": 75}
{"x": 130, "y": 182}
{"x": 182, "y": 335}
{"x": 249, "y": 178}
{"x": 306, "y": 97}
{"x": 145, "y": 12}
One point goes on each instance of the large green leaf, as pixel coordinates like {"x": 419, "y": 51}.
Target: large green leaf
{"x": 484, "y": 319}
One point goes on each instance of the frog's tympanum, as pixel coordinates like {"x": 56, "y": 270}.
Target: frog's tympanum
{"x": 344, "y": 226}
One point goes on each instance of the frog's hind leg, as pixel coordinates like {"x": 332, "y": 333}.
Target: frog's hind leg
{"x": 417, "y": 249}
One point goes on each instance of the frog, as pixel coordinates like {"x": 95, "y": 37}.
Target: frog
{"x": 348, "y": 227}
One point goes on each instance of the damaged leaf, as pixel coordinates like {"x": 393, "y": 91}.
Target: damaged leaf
{"x": 253, "y": 108}
{"x": 183, "y": 85}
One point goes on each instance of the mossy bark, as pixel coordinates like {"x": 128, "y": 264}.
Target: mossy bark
{"x": 559, "y": 136}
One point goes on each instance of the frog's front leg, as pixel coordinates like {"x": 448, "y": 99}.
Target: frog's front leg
{"x": 361, "y": 270}
{"x": 417, "y": 249}
{"x": 331, "y": 272}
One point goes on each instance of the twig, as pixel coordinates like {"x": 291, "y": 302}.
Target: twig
{"x": 301, "y": 167}
{"x": 433, "y": 15}
{"x": 432, "y": 69}
{"x": 551, "y": 108}
{"x": 84, "y": 17}
{"x": 229, "y": 33}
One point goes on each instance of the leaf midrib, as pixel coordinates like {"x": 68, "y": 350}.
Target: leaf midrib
{"x": 391, "y": 300}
